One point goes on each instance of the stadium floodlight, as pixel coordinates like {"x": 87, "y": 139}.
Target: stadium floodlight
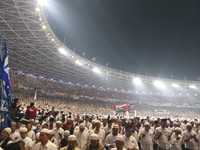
{"x": 78, "y": 63}
{"x": 159, "y": 84}
{"x": 37, "y": 9}
{"x": 44, "y": 27}
{"x": 193, "y": 86}
{"x": 174, "y": 85}
{"x": 137, "y": 81}
{"x": 63, "y": 51}
{"x": 42, "y": 3}
{"x": 97, "y": 70}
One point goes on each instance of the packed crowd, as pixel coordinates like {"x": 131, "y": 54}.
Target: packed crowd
{"x": 49, "y": 127}
{"x": 24, "y": 84}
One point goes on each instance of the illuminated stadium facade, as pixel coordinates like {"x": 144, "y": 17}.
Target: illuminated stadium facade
{"x": 34, "y": 49}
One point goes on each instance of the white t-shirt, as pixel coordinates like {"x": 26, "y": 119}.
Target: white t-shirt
{"x": 48, "y": 146}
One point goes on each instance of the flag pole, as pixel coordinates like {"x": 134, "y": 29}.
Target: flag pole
{"x": 2, "y": 113}
{"x": 5, "y": 85}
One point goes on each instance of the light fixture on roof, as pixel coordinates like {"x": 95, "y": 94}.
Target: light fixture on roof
{"x": 44, "y": 27}
{"x": 159, "y": 84}
{"x": 174, "y": 85}
{"x": 63, "y": 51}
{"x": 193, "y": 86}
{"x": 97, "y": 70}
{"x": 42, "y": 3}
{"x": 37, "y": 9}
{"x": 137, "y": 81}
{"x": 78, "y": 63}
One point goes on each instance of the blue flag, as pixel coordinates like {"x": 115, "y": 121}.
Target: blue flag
{"x": 5, "y": 83}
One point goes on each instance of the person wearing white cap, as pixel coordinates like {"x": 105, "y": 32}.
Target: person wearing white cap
{"x": 189, "y": 138}
{"x": 82, "y": 136}
{"x": 99, "y": 131}
{"x": 37, "y": 139}
{"x": 52, "y": 138}
{"x": 145, "y": 137}
{"x": 119, "y": 143}
{"x": 58, "y": 131}
{"x": 94, "y": 143}
{"x": 176, "y": 139}
{"x": 110, "y": 139}
{"x": 45, "y": 143}
{"x": 28, "y": 141}
{"x": 72, "y": 143}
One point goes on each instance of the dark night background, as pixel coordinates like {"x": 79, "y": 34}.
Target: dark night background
{"x": 152, "y": 37}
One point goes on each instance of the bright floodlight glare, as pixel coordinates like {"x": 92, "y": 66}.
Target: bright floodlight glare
{"x": 78, "y": 63}
{"x": 192, "y": 86}
{"x": 63, "y": 51}
{"x": 96, "y": 70}
{"x": 42, "y": 3}
{"x": 175, "y": 85}
{"x": 37, "y": 9}
{"x": 159, "y": 84}
{"x": 137, "y": 81}
{"x": 44, "y": 27}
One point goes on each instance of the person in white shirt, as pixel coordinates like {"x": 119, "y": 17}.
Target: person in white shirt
{"x": 30, "y": 133}
{"x": 82, "y": 136}
{"x": 86, "y": 123}
{"x": 59, "y": 131}
{"x": 145, "y": 138}
{"x": 129, "y": 139}
{"x": 119, "y": 142}
{"x": 110, "y": 139}
{"x": 189, "y": 138}
{"x": 44, "y": 143}
{"x": 99, "y": 131}
{"x": 15, "y": 136}
{"x": 28, "y": 141}
{"x": 94, "y": 143}
{"x": 72, "y": 143}
{"x": 176, "y": 139}
{"x": 52, "y": 138}
{"x": 162, "y": 136}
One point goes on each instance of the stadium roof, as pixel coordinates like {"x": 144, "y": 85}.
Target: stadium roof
{"x": 35, "y": 49}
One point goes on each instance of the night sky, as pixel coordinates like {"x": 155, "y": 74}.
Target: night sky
{"x": 151, "y": 37}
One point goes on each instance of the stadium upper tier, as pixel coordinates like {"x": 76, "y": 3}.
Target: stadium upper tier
{"x": 34, "y": 49}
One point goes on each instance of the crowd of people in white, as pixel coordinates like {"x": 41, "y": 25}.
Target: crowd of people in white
{"x": 56, "y": 128}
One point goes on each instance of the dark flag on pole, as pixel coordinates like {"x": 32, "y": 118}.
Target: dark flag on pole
{"x": 5, "y": 85}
